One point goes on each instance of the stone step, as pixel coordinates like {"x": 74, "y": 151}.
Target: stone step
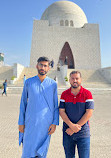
{"x": 18, "y": 90}
{"x": 91, "y": 76}
{"x": 14, "y": 90}
{"x": 90, "y": 79}
{"x": 6, "y": 72}
{"x": 30, "y": 72}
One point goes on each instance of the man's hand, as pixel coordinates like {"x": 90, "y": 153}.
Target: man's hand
{"x": 69, "y": 131}
{"x": 52, "y": 129}
{"x": 75, "y": 127}
{"x": 21, "y": 128}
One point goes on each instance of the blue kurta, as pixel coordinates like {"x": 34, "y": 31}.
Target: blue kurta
{"x": 38, "y": 110}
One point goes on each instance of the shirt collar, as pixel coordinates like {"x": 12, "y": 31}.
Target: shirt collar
{"x": 40, "y": 80}
{"x": 81, "y": 90}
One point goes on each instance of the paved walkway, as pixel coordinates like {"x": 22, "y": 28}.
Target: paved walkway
{"x": 100, "y": 129}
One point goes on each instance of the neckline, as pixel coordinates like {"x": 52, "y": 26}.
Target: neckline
{"x": 77, "y": 93}
{"x": 43, "y": 80}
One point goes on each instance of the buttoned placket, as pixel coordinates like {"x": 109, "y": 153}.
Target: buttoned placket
{"x": 74, "y": 99}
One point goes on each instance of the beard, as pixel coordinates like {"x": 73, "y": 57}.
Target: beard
{"x": 42, "y": 72}
{"x": 75, "y": 86}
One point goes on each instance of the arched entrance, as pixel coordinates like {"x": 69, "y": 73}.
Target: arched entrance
{"x": 66, "y": 56}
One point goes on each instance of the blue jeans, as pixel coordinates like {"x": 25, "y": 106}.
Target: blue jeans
{"x": 83, "y": 146}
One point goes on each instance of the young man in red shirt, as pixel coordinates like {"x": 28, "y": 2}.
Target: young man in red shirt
{"x": 76, "y": 108}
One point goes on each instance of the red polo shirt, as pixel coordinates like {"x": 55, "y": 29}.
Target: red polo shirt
{"x": 75, "y": 107}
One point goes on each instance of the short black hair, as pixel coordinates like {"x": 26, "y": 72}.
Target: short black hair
{"x": 75, "y": 72}
{"x": 43, "y": 59}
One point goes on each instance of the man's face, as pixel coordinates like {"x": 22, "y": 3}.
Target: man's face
{"x": 42, "y": 67}
{"x": 75, "y": 80}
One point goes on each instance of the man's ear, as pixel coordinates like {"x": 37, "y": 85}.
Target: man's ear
{"x": 81, "y": 79}
{"x": 37, "y": 66}
{"x": 49, "y": 68}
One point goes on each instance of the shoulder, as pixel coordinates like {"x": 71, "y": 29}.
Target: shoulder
{"x": 30, "y": 80}
{"x": 87, "y": 93}
{"x": 51, "y": 81}
{"x": 66, "y": 92}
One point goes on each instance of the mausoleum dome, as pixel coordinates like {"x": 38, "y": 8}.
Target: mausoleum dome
{"x": 65, "y": 13}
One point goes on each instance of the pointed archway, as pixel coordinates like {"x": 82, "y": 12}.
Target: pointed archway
{"x": 66, "y": 56}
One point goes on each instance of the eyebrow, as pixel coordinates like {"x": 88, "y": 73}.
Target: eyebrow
{"x": 42, "y": 64}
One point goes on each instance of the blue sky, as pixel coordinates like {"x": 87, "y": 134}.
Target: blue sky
{"x": 16, "y": 24}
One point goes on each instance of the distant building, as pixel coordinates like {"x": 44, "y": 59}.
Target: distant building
{"x": 64, "y": 34}
{"x": 1, "y": 59}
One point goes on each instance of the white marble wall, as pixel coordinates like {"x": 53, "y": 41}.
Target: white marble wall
{"x": 63, "y": 70}
{"x": 106, "y": 72}
{"x": 17, "y": 69}
{"x": 49, "y": 41}
{"x": 1, "y": 63}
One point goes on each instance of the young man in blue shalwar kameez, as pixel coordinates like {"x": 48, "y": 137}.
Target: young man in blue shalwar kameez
{"x": 39, "y": 112}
